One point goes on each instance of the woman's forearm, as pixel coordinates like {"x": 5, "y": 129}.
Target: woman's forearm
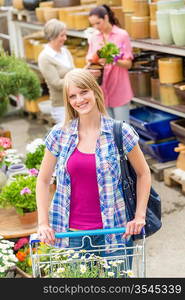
{"x": 143, "y": 191}
{"x": 42, "y": 197}
{"x": 127, "y": 63}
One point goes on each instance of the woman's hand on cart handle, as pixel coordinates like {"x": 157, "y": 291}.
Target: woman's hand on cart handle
{"x": 46, "y": 234}
{"x": 134, "y": 227}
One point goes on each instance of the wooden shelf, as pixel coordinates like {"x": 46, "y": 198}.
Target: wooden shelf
{"x": 11, "y": 226}
{"x": 178, "y": 110}
{"x": 156, "y": 45}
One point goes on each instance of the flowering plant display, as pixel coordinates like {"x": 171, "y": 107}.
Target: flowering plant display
{"x": 20, "y": 194}
{"x": 21, "y": 248}
{"x": 7, "y": 256}
{"x": 81, "y": 264}
{"x": 12, "y": 157}
{"x": 5, "y": 143}
{"x": 35, "y": 152}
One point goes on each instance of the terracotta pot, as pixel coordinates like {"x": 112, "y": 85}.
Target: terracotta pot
{"x": 29, "y": 218}
{"x": 18, "y": 4}
{"x": 140, "y": 82}
{"x": 155, "y": 88}
{"x": 180, "y": 90}
{"x": 64, "y": 3}
{"x": 50, "y": 13}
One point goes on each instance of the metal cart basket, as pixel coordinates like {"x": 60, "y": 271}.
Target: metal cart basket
{"x": 100, "y": 261}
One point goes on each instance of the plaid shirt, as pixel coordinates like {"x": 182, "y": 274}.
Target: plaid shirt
{"x": 62, "y": 143}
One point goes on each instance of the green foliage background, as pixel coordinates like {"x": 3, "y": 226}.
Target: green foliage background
{"x": 33, "y": 160}
{"x": 16, "y": 77}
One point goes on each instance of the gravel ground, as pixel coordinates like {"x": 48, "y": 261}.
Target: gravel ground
{"x": 165, "y": 249}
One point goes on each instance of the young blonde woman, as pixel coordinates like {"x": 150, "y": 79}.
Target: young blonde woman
{"x": 54, "y": 62}
{"x": 89, "y": 193}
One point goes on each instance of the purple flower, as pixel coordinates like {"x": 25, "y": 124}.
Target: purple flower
{"x": 33, "y": 172}
{"x": 25, "y": 190}
{"x": 119, "y": 56}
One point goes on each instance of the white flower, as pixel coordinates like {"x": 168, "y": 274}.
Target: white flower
{"x": 7, "y": 257}
{"x": 70, "y": 251}
{"x": 106, "y": 266}
{"x": 11, "y": 151}
{"x": 4, "y": 251}
{"x": 4, "y": 246}
{"x": 2, "y": 269}
{"x": 130, "y": 273}
{"x": 76, "y": 255}
{"x": 60, "y": 270}
{"x": 110, "y": 274}
{"x": 32, "y": 147}
{"x": 83, "y": 269}
{"x": 113, "y": 263}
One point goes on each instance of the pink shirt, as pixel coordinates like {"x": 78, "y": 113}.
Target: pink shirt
{"x": 116, "y": 84}
{"x": 85, "y": 213}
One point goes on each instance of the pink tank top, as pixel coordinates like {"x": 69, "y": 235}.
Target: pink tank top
{"x": 85, "y": 213}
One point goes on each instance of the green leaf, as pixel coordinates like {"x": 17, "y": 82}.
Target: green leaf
{"x": 108, "y": 52}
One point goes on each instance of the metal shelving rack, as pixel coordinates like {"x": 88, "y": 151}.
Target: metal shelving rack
{"x": 16, "y": 37}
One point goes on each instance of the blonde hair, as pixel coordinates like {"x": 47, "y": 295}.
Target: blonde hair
{"x": 83, "y": 79}
{"x": 53, "y": 28}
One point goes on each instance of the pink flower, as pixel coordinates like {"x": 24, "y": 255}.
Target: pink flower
{"x": 21, "y": 242}
{"x": 33, "y": 172}
{"x": 5, "y": 142}
{"x": 25, "y": 190}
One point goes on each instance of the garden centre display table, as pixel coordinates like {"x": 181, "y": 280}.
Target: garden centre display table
{"x": 11, "y": 226}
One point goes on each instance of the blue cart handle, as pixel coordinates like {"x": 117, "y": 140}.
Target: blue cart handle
{"x": 34, "y": 237}
{"x": 77, "y": 233}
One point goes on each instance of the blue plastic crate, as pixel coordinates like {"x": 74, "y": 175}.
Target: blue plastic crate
{"x": 161, "y": 151}
{"x": 152, "y": 123}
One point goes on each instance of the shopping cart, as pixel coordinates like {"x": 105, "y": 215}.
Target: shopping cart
{"x": 101, "y": 261}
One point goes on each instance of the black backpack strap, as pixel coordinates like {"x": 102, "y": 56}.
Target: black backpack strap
{"x": 118, "y": 138}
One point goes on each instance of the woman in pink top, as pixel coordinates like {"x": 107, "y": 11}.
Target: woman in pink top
{"x": 116, "y": 84}
{"x": 89, "y": 193}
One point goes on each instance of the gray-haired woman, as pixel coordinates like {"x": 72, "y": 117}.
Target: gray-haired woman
{"x": 54, "y": 62}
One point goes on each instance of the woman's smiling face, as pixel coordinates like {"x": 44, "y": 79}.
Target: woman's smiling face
{"x": 82, "y": 100}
